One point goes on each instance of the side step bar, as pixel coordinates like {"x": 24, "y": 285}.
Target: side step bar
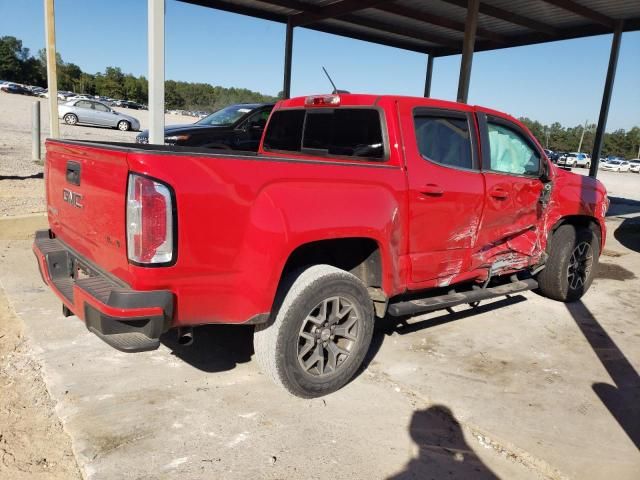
{"x": 429, "y": 304}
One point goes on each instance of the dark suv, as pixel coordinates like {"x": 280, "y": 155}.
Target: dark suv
{"x": 236, "y": 127}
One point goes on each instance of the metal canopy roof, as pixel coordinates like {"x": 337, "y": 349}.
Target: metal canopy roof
{"x": 437, "y": 27}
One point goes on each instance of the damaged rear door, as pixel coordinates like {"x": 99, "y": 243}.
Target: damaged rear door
{"x": 509, "y": 236}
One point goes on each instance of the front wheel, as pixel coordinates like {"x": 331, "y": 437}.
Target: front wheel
{"x": 569, "y": 270}
{"x": 124, "y": 126}
{"x": 587, "y": 165}
{"x": 70, "y": 119}
{"x": 321, "y": 332}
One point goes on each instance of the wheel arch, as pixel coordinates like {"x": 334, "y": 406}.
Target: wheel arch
{"x": 583, "y": 221}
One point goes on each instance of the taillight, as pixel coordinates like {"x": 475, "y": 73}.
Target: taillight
{"x": 149, "y": 221}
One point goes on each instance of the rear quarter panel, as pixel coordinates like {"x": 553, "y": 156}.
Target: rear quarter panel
{"x": 239, "y": 218}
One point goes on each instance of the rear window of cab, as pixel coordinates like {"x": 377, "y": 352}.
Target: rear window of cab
{"x": 339, "y": 132}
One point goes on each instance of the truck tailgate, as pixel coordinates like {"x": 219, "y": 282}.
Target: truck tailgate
{"x": 86, "y": 190}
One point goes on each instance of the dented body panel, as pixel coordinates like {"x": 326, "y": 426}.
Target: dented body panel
{"x": 240, "y": 218}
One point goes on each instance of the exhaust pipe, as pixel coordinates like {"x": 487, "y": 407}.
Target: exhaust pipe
{"x": 185, "y": 336}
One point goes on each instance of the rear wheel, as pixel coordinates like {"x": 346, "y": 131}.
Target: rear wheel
{"x": 124, "y": 126}
{"x": 573, "y": 257}
{"x": 320, "y": 334}
{"x": 587, "y": 165}
{"x": 70, "y": 119}
{"x": 575, "y": 164}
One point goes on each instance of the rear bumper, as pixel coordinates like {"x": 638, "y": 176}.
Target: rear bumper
{"x": 129, "y": 320}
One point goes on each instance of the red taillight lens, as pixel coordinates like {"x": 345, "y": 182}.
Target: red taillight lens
{"x": 149, "y": 221}
{"x": 322, "y": 101}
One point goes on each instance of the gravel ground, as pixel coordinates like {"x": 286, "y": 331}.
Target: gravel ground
{"x": 33, "y": 443}
{"x": 21, "y": 186}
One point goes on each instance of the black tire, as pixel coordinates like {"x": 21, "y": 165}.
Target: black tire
{"x": 587, "y": 165}
{"x": 124, "y": 126}
{"x": 280, "y": 344}
{"x": 560, "y": 279}
{"x": 70, "y": 119}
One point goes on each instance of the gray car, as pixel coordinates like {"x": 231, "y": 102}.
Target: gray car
{"x": 91, "y": 112}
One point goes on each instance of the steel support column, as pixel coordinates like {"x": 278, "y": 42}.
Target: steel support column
{"x": 427, "y": 80}
{"x": 156, "y": 12}
{"x": 470, "y": 27}
{"x": 606, "y": 100}
{"x": 288, "y": 51}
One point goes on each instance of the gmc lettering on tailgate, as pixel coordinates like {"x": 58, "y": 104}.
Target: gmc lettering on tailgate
{"x": 72, "y": 198}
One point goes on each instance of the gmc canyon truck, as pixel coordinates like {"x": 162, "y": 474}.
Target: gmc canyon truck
{"x": 354, "y": 207}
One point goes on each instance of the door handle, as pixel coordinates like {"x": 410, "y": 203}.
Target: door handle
{"x": 499, "y": 193}
{"x": 73, "y": 173}
{"x": 432, "y": 190}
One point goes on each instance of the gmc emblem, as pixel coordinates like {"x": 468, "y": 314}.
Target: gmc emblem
{"x": 72, "y": 198}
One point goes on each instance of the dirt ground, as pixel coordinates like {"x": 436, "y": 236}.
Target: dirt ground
{"x": 33, "y": 444}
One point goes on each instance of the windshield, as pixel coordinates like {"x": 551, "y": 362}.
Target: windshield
{"x": 226, "y": 116}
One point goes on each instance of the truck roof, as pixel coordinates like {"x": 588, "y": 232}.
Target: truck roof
{"x": 364, "y": 99}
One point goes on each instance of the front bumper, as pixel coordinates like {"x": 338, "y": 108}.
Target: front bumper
{"x": 128, "y": 320}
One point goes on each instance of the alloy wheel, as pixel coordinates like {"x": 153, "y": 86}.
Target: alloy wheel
{"x": 580, "y": 265}
{"x": 327, "y": 336}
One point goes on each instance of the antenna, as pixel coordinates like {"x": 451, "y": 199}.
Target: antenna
{"x": 335, "y": 90}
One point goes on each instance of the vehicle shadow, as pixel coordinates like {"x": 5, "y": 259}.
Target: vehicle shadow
{"x": 623, "y": 398}
{"x": 628, "y": 233}
{"x": 216, "y": 348}
{"x": 622, "y": 206}
{"x": 442, "y": 449}
{"x": 404, "y": 325}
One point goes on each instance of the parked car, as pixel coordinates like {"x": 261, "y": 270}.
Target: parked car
{"x": 237, "y": 127}
{"x": 15, "y": 88}
{"x": 90, "y": 112}
{"x": 575, "y": 159}
{"x": 355, "y": 207}
{"x": 616, "y": 166}
{"x": 634, "y": 165}
{"x": 129, "y": 104}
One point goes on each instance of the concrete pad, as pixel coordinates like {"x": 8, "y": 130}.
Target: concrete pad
{"x": 22, "y": 226}
{"x": 520, "y": 388}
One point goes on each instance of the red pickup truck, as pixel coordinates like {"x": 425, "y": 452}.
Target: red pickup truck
{"x": 354, "y": 207}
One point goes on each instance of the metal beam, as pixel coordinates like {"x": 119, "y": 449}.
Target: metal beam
{"x": 410, "y": 32}
{"x": 583, "y": 11}
{"x": 155, "y": 12}
{"x": 467, "y": 50}
{"x": 429, "y": 75}
{"x": 606, "y": 99}
{"x": 333, "y": 10}
{"x": 444, "y": 22}
{"x": 288, "y": 52}
{"x": 52, "y": 75}
{"x": 510, "y": 17}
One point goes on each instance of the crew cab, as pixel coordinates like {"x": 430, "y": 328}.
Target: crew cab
{"x": 355, "y": 207}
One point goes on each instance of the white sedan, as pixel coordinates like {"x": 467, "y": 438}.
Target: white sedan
{"x": 634, "y": 165}
{"x": 616, "y": 166}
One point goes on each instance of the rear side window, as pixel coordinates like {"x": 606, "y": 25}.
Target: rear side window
{"x": 444, "y": 140}
{"x": 285, "y": 131}
{"x": 346, "y": 132}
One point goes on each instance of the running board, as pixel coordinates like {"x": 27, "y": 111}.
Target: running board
{"x": 430, "y": 304}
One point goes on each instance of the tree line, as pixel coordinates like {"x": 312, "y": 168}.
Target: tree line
{"x": 18, "y": 65}
{"x": 622, "y": 143}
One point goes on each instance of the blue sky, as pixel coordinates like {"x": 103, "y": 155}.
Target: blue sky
{"x": 560, "y": 81}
